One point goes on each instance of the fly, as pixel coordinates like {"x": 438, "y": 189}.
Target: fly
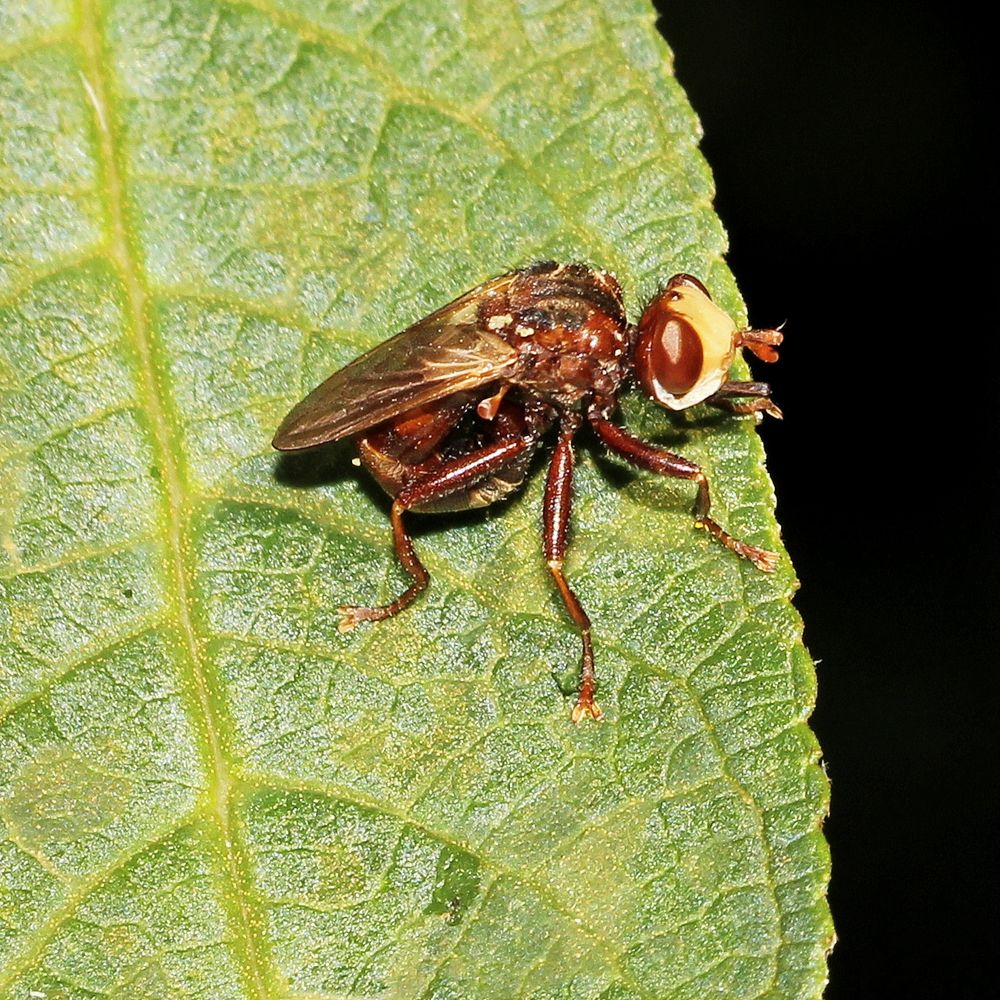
{"x": 448, "y": 414}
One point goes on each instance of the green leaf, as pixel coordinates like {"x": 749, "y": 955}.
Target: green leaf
{"x": 205, "y": 789}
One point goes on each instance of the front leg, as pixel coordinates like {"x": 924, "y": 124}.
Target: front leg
{"x": 556, "y": 511}
{"x": 757, "y": 394}
{"x": 666, "y": 463}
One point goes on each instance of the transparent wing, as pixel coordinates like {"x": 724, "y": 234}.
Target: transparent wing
{"x": 444, "y": 353}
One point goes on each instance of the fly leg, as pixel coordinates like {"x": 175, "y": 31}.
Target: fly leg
{"x": 757, "y": 395}
{"x": 556, "y": 512}
{"x": 437, "y": 483}
{"x": 666, "y": 463}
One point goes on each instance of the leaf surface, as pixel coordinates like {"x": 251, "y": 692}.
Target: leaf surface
{"x": 205, "y": 789}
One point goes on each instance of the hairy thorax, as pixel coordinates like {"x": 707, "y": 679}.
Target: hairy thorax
{"x": 567, "y": 322}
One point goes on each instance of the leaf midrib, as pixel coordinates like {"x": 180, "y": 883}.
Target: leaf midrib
{"x": 175, "y": 509}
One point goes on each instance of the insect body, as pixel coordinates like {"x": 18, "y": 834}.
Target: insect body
{"x": 448, "y": 413}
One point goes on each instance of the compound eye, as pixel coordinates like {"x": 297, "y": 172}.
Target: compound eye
{"x": 685, "y": 345}
{"x": 674, "y": 356}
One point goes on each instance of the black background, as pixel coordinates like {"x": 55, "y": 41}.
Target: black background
{"x": 844, "y": 142}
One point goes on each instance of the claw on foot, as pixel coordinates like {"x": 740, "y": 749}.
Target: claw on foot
{"x": 350, "y": 617}
{"x": 761, "y": 558}
{"x": 586, "y": 707}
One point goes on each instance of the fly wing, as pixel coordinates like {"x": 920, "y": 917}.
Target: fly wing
{"x": 442, "y": 354}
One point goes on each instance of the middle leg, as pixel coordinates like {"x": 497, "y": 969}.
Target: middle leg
{"x": 556, "y": 512}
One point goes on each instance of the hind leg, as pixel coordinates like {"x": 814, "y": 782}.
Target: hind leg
{"x": 435, "y": 484}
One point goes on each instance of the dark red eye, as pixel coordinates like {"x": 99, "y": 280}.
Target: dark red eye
{"x": 669, "y": 355}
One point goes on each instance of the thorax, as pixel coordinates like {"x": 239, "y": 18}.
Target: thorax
{"x": 567, "y": 322}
